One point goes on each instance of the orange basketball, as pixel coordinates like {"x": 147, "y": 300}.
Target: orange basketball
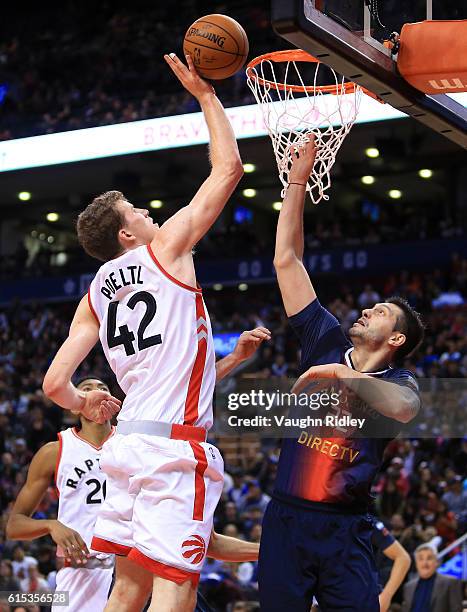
{"x": 218, "y": 46}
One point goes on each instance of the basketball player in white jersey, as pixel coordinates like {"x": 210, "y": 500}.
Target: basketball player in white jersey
{"x": 74, "y": 462}
{"x": 163, "y": 479}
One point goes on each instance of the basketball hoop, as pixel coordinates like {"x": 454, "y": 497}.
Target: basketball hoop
{"x": 327, "y": 111}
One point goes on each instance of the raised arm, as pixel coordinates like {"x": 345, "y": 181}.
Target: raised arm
{"x": 21, "y": 526}
{"x": 96, "y": 405}
{"x": 182, "y": 231}
{"x": 294, "y": 282}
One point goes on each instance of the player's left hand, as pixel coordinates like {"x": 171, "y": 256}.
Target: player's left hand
{"x": 328, "y": 370}
{"x": 249, "y": 342}
{"x": 188, "y": 76}
{"x": 99, "y": 406}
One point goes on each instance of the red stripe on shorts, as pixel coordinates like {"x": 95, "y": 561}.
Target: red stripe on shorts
{"x": 174, "y": 574}
{"x": 196, "y": 378}
{"x": 200, "y": 487}
{"x": 110, "y": 547}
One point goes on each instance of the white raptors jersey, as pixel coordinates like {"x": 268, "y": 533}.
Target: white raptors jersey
{"x": 80, "y": 483}
{"x": 156, "y": 335}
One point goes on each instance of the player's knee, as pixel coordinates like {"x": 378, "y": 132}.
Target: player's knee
{"x": 131, "y": 584}
{"x": 168, "y": 595}
{"x": 127, "y": 590}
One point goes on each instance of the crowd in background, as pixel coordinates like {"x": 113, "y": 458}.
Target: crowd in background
{"x": 420, "y": 492}
{"x": 106, "y": 67}
{"x": 75, "y": 65}
{"x": 106, "y": 64}
{"x": 337, "y": 227}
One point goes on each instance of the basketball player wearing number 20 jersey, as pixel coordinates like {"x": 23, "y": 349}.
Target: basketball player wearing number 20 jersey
{"x": 81, "y": 486}
{"x": 163, "y": 479}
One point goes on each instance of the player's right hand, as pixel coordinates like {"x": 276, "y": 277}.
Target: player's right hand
{"x": 303, "y": 160}
{"x": 384, "y": 602}
{"x": 188, "y": 77}
{"x": 73, "y": 546}
{"x": 99, "y": 406}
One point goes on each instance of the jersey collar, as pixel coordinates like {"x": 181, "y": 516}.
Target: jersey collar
{"x": 349, "y": 363}
{"x": 75, "y": 432}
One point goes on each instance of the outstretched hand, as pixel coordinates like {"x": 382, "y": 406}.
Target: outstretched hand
{"x": 188, "y": 76}
{"x": 328, "y": 370}
{"x": 100, "y": 406}
{"x": 303, "y": 160}
{"x": 249, "y": 341}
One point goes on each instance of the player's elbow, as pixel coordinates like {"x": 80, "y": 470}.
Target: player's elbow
{"x": 234, "y": 171}
{"x": 10, "y": 530}
{"x": 408, "y": 407}
{"x": 405, "y": 560}
{"x": 51, "y": 385}
{"x": 231, "y": 170}
{"x": 406, "y": 412}
{"x": 285, "y": 259}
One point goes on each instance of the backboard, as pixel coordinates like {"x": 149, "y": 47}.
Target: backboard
{"x": 349, "y": 36}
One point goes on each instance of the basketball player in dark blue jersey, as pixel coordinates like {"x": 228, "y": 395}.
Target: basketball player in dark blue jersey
{"x": 317, "y": 531}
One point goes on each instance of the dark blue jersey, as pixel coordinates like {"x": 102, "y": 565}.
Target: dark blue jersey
{"x": 381, "y": 538}
{"x": 335, "y": 470}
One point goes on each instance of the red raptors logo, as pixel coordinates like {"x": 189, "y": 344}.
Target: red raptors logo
{"x": 196, "y": 549}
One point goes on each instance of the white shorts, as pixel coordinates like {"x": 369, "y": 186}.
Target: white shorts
{"x": 161, "y": 498}
{"x": 88, "y": 588}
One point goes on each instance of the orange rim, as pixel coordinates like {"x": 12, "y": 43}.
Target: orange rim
{"x": 298, "y": 55}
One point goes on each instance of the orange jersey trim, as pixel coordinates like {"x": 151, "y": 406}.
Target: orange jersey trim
{"x": 174, "y": 574}
{"x": 75, "y": 432}
{"x": 200, "y": 487}
{"x": 91, "y": 307}
{"x": 106, "y": 546}
{"x": 197, "y": 373}
{"x": 169, "y": 276}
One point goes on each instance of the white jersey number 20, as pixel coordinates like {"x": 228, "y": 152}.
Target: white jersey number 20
{"x": 97, "y": 491}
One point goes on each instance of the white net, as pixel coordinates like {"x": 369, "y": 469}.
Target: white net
{"x": 292, "y": 111}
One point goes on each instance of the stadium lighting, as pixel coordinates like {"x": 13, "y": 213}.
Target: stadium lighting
{"x": 248, "y": 168}
{"x": 395, "y": 194}
{"x": 277, "y": 205}
{"x": 425, "y": 173}
{"x": 52, "y": 217}
{"x": 50, "y": 239}
{"x": 155, "y": 203}
{"x": 218, "y": 287}
{"x": 372, "y": 152}
{"x": 242, "y": 287}
{"x": 249, "y": 193}
{"x": 368, "y": 180}
{"x": 24, "y": 196}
